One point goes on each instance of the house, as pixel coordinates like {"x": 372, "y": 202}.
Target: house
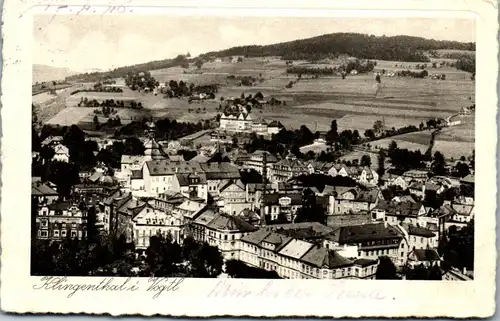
{"x": 159, "y": 174}
{"x": 232, "y": 197}
{"x": 463, "y": 207}
{"x": 277, "y": 204}
{"x": 122, "y": 221}
{"x": 403, "y": 199}
{"x": 420, "y": 237}
{"x": 149, "y": 221}
{"x": 43, "y": 193}
{"x": 416, "y": 175}
{"x": 131, "y": 162}
{"x": 298, "y": 259}
{"x": 425, "y": 257}
{"x": 400, "y": 212}
{"x": 61, "y": 153}
{"x": 287, "y": 168}
{"x": 417, "y": 188}
{"x": 374, "y": 240}
{"x": 224, "y": 231}
{"x": 61, "y": 220}
{"x": 274, "y": 127}
{"x": 240, "y": 121}
{"x": 193, "y": 185}
{"x": 250, "y": 216}
{"x": 394, "y": 180}
{"x": 255, "y": 161}
{"x": 52, "y": 141}
{"x": 345, "y": 200}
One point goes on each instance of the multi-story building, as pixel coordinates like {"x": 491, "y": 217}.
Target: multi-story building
{"x": 61, "y": 220}
{"x": 277, "y": 204}
{"x": 295, "y": 258}
{"x": 344, "y": 200}
{"x": 374, "y": 240}
{"x": 150, "y": 221}
{"x": 256, "y": 161}
{"x": 287, "y": 168}
{"x": 193, "y": 185}
{"x": 232, "y": 197}
{"x": 221, "y": 230}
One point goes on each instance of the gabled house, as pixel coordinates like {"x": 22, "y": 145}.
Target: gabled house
{"x": 277, "y": 204}
{"x": 345, "y": 200}
{"x": 61, "y": 220}
{"x": 232, "y": 197}
{"x": 425, "y": 257}
{"x": 149, "y": 221}
{"x": 43, "y": 193}
{"x": 397, "y": 213}
{"x": 61, "y": 153}
{"x": 193, "y": 185}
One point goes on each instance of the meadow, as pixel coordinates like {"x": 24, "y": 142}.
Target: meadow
{"x": 354, "y": 102}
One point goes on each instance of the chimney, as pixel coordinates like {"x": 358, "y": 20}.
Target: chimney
{"x": 385, "y": 223}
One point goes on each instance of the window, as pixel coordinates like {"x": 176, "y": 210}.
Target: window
{"x": 63, "y": 233}
{"x": 73, "y": 233}
{"x": 44, "y": 223}
{"x": 56, "y": 233}
{"x": 44, "y": 233}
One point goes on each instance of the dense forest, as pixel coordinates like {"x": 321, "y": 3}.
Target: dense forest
{"x": 399, "y": 48}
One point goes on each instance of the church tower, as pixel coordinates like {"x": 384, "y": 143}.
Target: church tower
{"x": 153, "y": 150}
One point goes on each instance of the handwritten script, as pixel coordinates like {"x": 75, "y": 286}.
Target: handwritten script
{"x": 277, "y": 290}
{"x": 59, "y": 7}
{"x": 156, "y": 286}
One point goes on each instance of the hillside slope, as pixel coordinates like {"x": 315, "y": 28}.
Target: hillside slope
{"x": 398, "y": 48}
{"x": 42, "y": 73}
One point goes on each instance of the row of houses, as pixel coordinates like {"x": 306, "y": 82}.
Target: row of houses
{"x": 289, "y": 167}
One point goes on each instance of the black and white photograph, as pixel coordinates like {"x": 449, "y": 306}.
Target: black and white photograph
{"x": 263, "y": 159}
{"x": 253, "y": 147}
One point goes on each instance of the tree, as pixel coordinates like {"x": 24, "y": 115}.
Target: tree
{"x": 438, "y": 165}
{"x": 386, "y": 270}
{"x": 198, "y": 63}
{"x": 369, "y": 134}
{"x": 377, "y": 127}
{"x": 332, "y": 134}
{"x": 366, "y": 161}
{"x": 92, "y": 232}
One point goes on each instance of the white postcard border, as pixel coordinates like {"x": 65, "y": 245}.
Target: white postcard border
{"x": 205, "y": 297}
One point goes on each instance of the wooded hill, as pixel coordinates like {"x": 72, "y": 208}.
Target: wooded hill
{"x": 398, "y": 48}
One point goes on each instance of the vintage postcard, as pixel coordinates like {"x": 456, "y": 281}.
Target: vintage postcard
{"x": 249, "y": 159}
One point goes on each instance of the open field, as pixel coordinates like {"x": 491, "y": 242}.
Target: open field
{"x": 412, "y": 141}
{"x": 454, "y": 149}
{"x": 353, "y": 101}
{"x": 458, "y": 140}
{"x": 70, "y": 115}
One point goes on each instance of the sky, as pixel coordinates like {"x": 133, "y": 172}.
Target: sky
{"x": 85, "y": 42}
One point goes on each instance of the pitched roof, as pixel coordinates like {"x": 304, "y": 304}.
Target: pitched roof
{"x": 426, "y": 255}
{"x": 41, "y": 189}
{"x": 305, "y": 229}
{"x": 418, "y": 230}
{"x": 136, "y": 174}
{"x": 468, "y": 179}
{"x": 321, "y": 257}
{"x": 367, "y": 232}
{"x": 349, "y": 219}
{"x": 229, "y": 182}
{"x": 296, "y": 248}
{"x": 132, "y": 159}
{"x": 191, "y": 179}
{"x": 364, "y": 262}
{"x": 231, "y": 223}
